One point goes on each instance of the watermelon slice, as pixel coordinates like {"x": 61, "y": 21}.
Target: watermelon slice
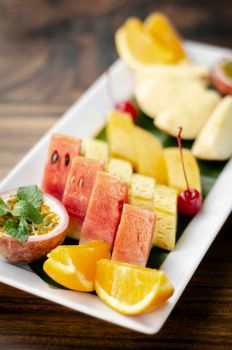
{"x": 79, "y": 185}
{"x": 134, "y": 236}
{"x": 104, "y": 210}
{"x": 61, "y": 150}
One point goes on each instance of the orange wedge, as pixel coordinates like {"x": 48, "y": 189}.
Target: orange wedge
{"x": 74, "y": 266}
{"x": 131, "y": 289}
{"x": 158, "y": 26}
{"x": 146, "y": 44}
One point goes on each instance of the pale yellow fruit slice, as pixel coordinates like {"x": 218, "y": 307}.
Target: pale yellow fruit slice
{"x": 165, "y": 205}
{"x": 96, "y": 149}
{"x": 175, "y": 173}
{"x": 119, "y": 130}
{"x": 214, "y": 141}
{"x": 141, "y": 193}
{"x": 172, "y": 103}
{"x": 149, "y": 155}
{"x": 131, "y": 289}
{"x": 121, "y": 169}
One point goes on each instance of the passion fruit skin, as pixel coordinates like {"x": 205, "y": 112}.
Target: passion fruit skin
{"x": 36, "y": 247}
{"x": 221, "y": 81}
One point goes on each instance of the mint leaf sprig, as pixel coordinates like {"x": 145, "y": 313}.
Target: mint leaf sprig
{"x": 24, "y": 212}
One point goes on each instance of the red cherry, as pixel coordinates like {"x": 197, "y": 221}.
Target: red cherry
{"x": 189, "y": 201}
{"x": 129, "y": 107}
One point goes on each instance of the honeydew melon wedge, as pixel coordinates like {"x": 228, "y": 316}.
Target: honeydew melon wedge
{"x": 165, "y": 205}
{"x": 214, "y": 141}
{"x": 121, "y": 169}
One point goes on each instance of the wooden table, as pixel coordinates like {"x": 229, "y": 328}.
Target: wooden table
{"x": 49, "y": 54}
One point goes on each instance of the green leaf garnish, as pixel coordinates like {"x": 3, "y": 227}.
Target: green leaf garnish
{"x": 18, "y": 230}
{"x": 3, "y": 207}
{"x": 31, "y": 194}
{"x": 27, "y": 211}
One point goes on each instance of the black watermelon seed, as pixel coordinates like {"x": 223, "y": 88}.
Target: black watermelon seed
{"x": 66, "y": 159}
{"x": 54, "y": 157}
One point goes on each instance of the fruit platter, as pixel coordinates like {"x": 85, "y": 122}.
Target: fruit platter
{"x": 112, "y": 211}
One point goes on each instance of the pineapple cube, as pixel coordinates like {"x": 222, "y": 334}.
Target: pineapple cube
{"x": 120, "y": 168}
{"x": 149, "y": 154}
{"x": 175, "y": 172}
{"x": 165, "y": 205}
{"x": 119, "y": 130}
{"x": 96, "y": 149}
{"x": 142, "y": 190}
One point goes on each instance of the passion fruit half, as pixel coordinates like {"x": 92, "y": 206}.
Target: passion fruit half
{"x": 37, "y": 246}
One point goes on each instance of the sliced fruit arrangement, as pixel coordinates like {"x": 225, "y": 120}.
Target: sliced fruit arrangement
{"x": 134, "y": 236}
{"x": 74, "y": 266}
{"x": 131, "y": 289}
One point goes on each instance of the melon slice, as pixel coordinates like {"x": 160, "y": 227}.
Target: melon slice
{"x": 214, "y": 141}
{"x": 121, "y": 169}
{"x": 134, "y": 236}
{"x": 104, "y": 210}
{"x": 62, "y": 149}
{"x": 142, "y": 191}
{"x": 119, "y": 130}
{"x": 96, "y": 149}
{"x": 165, "y": 205}
{"x": 77, "y": 191}
{"x": 149, "y": 155}
{"x": 175, "y": 172}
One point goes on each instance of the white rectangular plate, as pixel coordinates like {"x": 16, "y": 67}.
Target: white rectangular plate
{"x": 85, "y": 118}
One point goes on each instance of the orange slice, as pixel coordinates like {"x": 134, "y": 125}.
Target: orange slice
{"x": 131, "y": 289}
{"x": 158, "y": 26}
{"x": 146, "y": 44}
{"x": 74, "y": 266}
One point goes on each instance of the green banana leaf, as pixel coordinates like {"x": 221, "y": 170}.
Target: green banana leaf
{"x": 209, "y": 174}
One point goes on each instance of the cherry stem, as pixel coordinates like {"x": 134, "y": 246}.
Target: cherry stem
{"x": 181, "y": 155}
{"x": 109, "y": 87}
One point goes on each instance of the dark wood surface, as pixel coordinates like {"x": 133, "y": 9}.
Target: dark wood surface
{"x": 50, "y": 52}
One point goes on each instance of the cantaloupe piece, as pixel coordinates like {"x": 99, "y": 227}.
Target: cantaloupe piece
{"x": 119, "y": 130}
{"x": 104, "y": 210}
{"x": 175, "y": 172}
{"x": 141, "y": 192}
{"x": 165, "y": 205}
{"x": 149, "y": 155}
{"x": 134, "y": 236}
{"x": 96, "y": 149}
{"x": 121, "y": 169}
